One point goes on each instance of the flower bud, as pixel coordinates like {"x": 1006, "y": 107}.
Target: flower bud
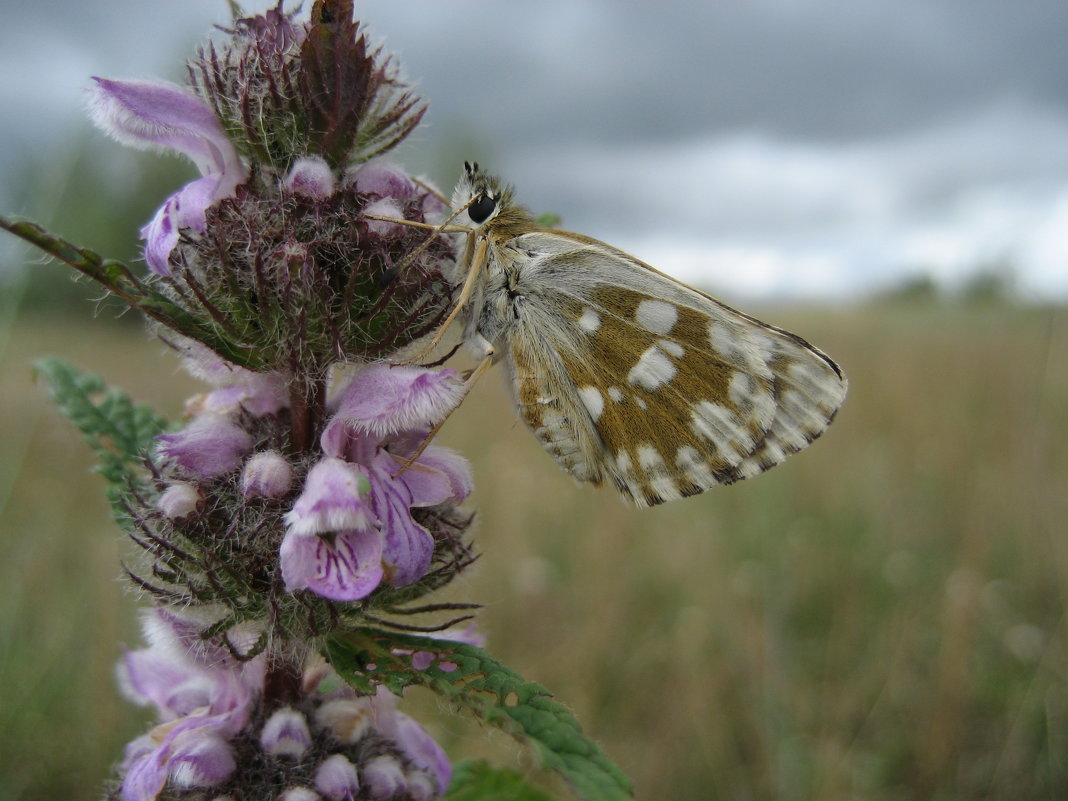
{"x": 286, "y": 734}
{"x": 266, "y": 474}
{"x": 299, "y": 794}
{"x": 179, "y": 500}
{"x": 420, "y": 787}
{"x": 311, "y": 177}
{"x": 383, "y": 777}
{"x": 384, "y": 208}
{"x": 380, "y": 179}
{"x": 336, "y": 778}
{"x": 210, "y": 446}
{"x": 348, "y": 720}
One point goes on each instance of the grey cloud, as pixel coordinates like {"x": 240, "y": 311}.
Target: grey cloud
{"x": 817, "y": 70}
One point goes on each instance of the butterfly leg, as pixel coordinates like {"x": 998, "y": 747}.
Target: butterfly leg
{"x": 487, "y": 359}
{"x": 478, "y": 262}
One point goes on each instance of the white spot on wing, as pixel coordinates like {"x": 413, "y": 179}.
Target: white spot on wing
{"x": 590, "y": 320}
{"x": 657, "y": 316}
{"x": 740, "y": 390}
{"x": 653, "y": 370}
{"x": 659, "y": 479}
{"x": 593, "y": 400}
{"x": 722, "y": 428}
{"x": 649, "y": 457}
{"x": 726, "y": 342}
{"x": 695, "y": 468}
{"x": 674, "y": 348}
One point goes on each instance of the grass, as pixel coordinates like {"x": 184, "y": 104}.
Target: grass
{"x": 882, "y": 617}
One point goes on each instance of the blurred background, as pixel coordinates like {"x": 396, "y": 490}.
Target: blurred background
{"x": 883, "y": 617}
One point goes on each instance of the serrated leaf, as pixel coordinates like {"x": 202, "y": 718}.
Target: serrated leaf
{"x": 477, "y": 780}
{"x": 479, "y": 684}
{"x": 118, "y": 430}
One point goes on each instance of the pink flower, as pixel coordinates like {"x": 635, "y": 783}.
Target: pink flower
{"x": 352, "y": 525}
{"x": 164, "y": 116}
{"x": 201, "y": 710}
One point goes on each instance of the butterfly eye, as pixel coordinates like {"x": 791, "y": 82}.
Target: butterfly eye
{"x": 482, "y": 208}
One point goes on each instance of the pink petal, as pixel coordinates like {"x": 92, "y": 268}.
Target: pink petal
{"x": 201, "y": 758}
{"x": 385, "y": 400}
{"x": 159, "y": 114}
{"x": 186, "y": 208}
{"x": 332, "y": 500}
{"x": 453, "y": 466}
{"x": 408, "y": 546}
{"x": 345, "y": 567}
{"x": 148, "y": 676}
{"x": 145, "y": 777}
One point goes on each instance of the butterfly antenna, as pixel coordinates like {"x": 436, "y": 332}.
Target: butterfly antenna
{"x": 444, "y": 200}
{"x": 437, "y": 229}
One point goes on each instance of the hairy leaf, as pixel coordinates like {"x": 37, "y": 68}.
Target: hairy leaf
{"x": 336, "y": 78}
{"x": 474, "y": 681}
{"x": 119, "y": 431}
{"x": 480, "y": 781}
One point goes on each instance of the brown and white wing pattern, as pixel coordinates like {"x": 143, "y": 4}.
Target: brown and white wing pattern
{"x": 626, "y": 375}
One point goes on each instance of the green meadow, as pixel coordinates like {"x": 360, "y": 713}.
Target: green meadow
{"x": 881, "y": 617}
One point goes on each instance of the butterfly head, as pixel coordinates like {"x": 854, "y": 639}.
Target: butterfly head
{"x": 484, "y": 196}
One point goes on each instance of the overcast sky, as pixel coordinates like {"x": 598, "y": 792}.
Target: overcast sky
{"x": 774, "y": 147}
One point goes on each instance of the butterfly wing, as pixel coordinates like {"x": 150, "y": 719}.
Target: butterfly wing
{"x": 627, "y": 375}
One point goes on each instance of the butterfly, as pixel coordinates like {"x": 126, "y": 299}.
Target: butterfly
{"x": 624, "y": 374}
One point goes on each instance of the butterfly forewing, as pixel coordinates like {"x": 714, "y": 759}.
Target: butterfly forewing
{"x": 625, "y": 374}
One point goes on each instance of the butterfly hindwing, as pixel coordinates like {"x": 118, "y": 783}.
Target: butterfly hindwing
{"x": 627, "y": 375}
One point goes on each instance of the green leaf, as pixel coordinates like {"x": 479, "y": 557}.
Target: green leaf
{"x": 119, "y": 431}
{"x": 479, "y": 684}
{"x": 480, "y": 781}
{"x": 119, "y": 280}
